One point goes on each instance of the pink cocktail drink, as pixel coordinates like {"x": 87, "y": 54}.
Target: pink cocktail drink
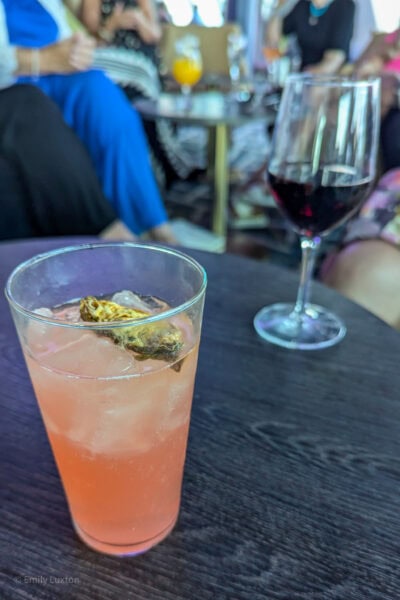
{"x": 117, "y": 423}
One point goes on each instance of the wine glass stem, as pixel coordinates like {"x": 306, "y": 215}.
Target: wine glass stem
{"x": 187, "y": 95}
{"x": 309, "y": 250}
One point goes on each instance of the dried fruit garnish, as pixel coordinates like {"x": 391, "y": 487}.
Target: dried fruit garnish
{"x": 160, "y": 340}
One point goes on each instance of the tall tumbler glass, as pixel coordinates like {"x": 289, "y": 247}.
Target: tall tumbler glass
{"x": 110, "y": 335}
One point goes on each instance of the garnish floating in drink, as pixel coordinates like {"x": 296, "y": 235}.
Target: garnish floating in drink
{"x": 160, "y": 340}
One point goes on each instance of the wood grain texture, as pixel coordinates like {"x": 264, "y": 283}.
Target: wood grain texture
{"x": 292, "y": 479}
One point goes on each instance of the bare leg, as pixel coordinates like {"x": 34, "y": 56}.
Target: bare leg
{"x": 163, "y": 233}
{"x": 368, "y": 272}
{"x": 117, "y": 230}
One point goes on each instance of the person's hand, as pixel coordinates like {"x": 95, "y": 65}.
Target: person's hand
{"x": 134, "y": 19}
{"x": 123, "y": 18}
{"x": 130, "y": 18}
{"x": 69, "y": 56}
{"x": 82, "y": 52}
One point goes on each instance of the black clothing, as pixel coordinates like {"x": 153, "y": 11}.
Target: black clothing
{"x": 331, "y": 31}
{"x": 390, "y": 140}
{"x": 48, "y": 185}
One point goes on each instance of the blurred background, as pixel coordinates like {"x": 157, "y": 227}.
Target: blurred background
{"x": 371, "y": 15}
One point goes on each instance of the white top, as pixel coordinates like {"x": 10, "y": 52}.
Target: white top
{"x": 8, "y": 58}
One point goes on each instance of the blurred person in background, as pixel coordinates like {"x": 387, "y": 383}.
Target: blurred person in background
{"x": 323, "y": 29}
{"x": 366, "y": 267}
{"x": 47, "y": 182}
{"x": 37, "y": 46}
{"x": 128, "y": 33}
{"x": 382, "y": 58}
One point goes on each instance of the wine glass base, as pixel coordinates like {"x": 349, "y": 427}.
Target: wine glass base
{"x": 316, "y": 329}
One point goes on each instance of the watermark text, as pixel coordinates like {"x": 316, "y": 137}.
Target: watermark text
{"x": 47, "y": 580}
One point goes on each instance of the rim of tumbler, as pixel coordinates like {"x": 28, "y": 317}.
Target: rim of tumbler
{"x": 333, "y": 80}
{"x": 109, "y": 324}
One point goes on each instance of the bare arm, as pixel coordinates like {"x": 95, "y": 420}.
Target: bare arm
{"x": 331, "y": 62}
{"x": 90, "y": 15}
{"x": 373, "y": 57}
{"x": 275, "y": 25}
{"x": 142, "y": 19}
{"x": 148, "y": 25}
{"x": 337, "y": 42}
{"x": 389, "y": 93}
{"x": 69, "y": 56}
{"x": 273, "y": 32}
{"x": 379, "y": 51}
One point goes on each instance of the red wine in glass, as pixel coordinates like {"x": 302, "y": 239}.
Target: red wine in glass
{"x": 321, "y": 202}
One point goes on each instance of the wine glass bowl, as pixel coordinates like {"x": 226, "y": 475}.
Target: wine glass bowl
{"x": 322, "y": 164}
{"x": 236, "y": 49}
{"x": 187, "y": 66}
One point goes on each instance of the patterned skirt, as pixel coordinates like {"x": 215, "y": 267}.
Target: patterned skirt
{"x": 379, "y": 218}
{"x": 138, "y": 76}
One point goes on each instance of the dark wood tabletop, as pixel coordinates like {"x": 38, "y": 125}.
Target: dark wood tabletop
{"x": 292, "y": 480}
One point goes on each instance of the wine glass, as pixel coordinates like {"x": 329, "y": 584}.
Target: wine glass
{"x": 321, "y": 168}
{"x": 187, "y": 67}
{"x": 236, "y": 48}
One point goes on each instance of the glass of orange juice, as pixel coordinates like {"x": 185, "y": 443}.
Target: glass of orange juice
{"x": 110, "y": 335}
{"x": 187, "y": 67}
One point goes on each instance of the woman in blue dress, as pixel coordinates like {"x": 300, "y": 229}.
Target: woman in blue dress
{"x": 37, "y": 46}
